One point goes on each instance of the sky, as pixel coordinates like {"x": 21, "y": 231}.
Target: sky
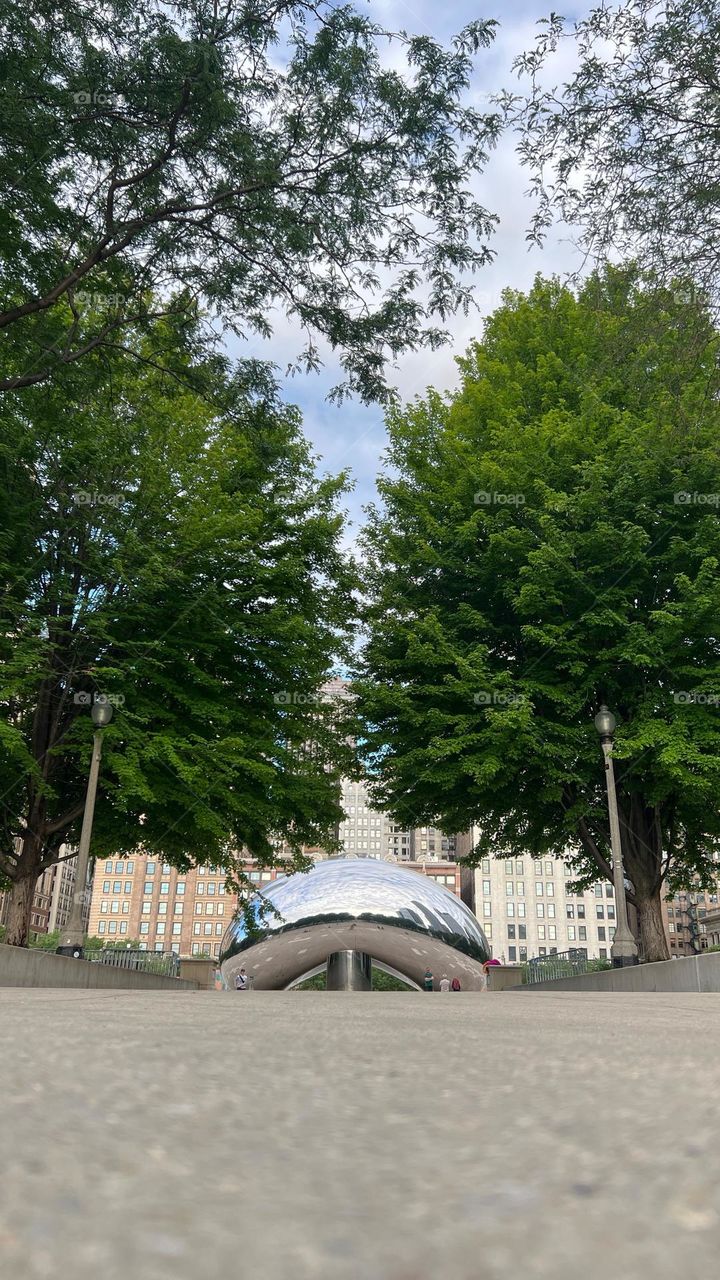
{"x": 352, "y": 436}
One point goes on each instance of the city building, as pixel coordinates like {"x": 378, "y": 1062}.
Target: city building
{"x": 52, "y": 899}
{"x": 369, "y": 833}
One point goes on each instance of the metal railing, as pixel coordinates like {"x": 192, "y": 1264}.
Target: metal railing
{"x": 162, "y": 962}
{"x": 562, "y": 964}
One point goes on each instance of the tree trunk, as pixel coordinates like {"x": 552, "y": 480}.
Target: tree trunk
{"x": 20, "y": 911}
{"x": 22, "y": 893}
{"x": 652, "y": 941}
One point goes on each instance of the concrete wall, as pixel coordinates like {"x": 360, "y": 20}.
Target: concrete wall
{"x": 27, "y": 967}
{"x": 694, "y": 973}
{"x": 502, "y": 977}
{"x": 201, "y": 972}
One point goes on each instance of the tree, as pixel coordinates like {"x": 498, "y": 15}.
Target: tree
{"x": 253, "y": 156}
{"x": 170, "y": 549}
{"x": 548, "y": 541}
{"x": 629, "y": 148}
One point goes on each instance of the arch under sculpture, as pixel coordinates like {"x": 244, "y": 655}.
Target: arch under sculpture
{"x": 405, "y": 921}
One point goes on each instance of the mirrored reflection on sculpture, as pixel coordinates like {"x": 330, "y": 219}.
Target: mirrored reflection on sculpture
{"x": 402, "y": 919}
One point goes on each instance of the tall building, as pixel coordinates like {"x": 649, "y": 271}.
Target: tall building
{"x": 369, "y": 833}
{"x": 52, "y": 899}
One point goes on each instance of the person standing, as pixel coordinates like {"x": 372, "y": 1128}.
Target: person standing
{"x": 455, "y": 984}
{"x": 444, "y": 983}
{"x": 241, "y": 981}
{"x": 428, "y": 980}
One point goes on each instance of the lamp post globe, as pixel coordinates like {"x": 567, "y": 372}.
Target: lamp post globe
{"x": 101, "y": 713}
{"x": 605, "y": 722}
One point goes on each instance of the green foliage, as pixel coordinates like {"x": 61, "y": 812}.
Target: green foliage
{"x": 630, "y": 140}
{"x": 172, "y": 549}
{"x": 381, "y": 981}
{"x": 235, "y": 161}
{"x": 549, "y": 541}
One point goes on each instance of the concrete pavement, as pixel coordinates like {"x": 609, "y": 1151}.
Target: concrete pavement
{"x": 347, "y": 1136}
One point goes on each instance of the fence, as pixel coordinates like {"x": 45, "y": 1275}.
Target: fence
{"x": 166, "y": 963}
{"x": 563, "y": 964}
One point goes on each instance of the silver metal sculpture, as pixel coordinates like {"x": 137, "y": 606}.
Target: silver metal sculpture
{"x": 405, "y": 921}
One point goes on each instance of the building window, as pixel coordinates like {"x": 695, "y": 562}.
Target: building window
{"x": 148, "y": 887}
{"x": 488, "y": 930}
{"x": 487, "y": 910}
{"x": 166, "y": 868}
{"x": 150, "y": 869}
{"x": 208, "y": 928}
{"x": 582, "y": 933}
{"x": 198, "y": 908}
{"x": 177, "y": 928}
{"x": 129, "y": 867}
{"x": 571, "y": 932}
{"x": 144, "y": 926}
{"x": 123, "y": 926}
{"x": 539, "y": 888}
{"x": 551, "y": 909}
{"x": 521, "y": 888}
{"x": 486, "y": 888}
{"x": 160, "y": 927}
{"x": 196, "y": 948}
{"x": 570, "y": 911}
{"x": 512, "y": 953}
{"x": 549, "y": 869}
{"x": 199, "y": 888}
{"x": 581, "y": 911}
{"x": 221, "y": 908}
{"x": 197, "y": 927}
{"x": 597, "y": 890}
{"x": 523, "y": 953}
{"x": 106, "y": 886}
{"x": 510, "y": 908}
{"x": 603, "y": 953}
{"x": 209, "y": 908}
{"x": 102, "y": 925}
{"x": 112, "y": 927}
{"x": 146, "y": 908}
{"x": 511, "y": 931}
{"x": 521, "y": 908}
{"x": 104, "y": 907}
{"x": 519, "y": 869}
{"x": 128, "y": 886}
{"x": 601, "y": 934}
{"x": 211, "y": 888}
{"x": 509, "y": 867}
{"x": 162, "y": 908}
{"x": 610, "y": 912}
{"x": 540, "y": 910}
{"x": 552, "y": 931}
{"x": 178, "y": 908}
{"x": 509, "y": 888}
{"x": 108, "y": 866}
{"x": 180, "y": 887}
{"x": 550, "y": 889}
{"x": 671, "y": 926}
{"x": 165, "y": 886}
{"x": 600, "y": 912}
{"x": 541, "y": 931}
{"x": 486, "y": 866}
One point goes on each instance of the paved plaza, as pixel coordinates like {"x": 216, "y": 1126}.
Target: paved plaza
{"x": 288, "y": 1136}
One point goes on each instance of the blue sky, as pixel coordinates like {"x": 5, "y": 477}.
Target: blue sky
{"x": 352, "y": 435}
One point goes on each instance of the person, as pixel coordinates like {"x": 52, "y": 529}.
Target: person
{"x": 444, "y": 983}
{"x": 428, "y": 980}
{"x": 241, "y": 981}
{"x": 455, "y": 984}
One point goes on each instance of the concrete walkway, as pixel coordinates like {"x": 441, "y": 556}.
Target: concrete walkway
{"x": 289, "y": 1136}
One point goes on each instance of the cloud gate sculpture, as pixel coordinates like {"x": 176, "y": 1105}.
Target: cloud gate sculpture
{"x": 346, "y": 910}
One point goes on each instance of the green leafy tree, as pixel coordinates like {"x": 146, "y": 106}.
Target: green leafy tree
{"x": 170, "y": 549}
{"x": 628, "y": 147}
{"x": 549, "y": 540}
{"x": 247, "y": 158}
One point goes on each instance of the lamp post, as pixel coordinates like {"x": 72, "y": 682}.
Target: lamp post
{"x": 624, "y": 948}
{"x": 72, "y": 936}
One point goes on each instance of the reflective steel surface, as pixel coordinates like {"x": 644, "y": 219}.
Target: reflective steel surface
{"x": 399, "y": 917}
